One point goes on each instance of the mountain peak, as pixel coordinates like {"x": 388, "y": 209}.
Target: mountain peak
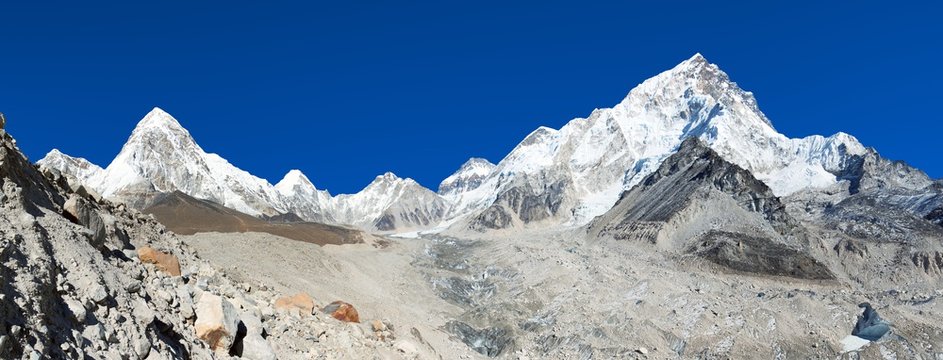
{"x": 294, "y": 180}
{"x": 468, "y": 177}
{"x": 696, "y": 59}
{"x": 476, "y": 163}
{"x": 159, "y": 131}
{"x": 158, "y": 118}
{"x": 388, "y": 176}
{"x": 294, "y": 177}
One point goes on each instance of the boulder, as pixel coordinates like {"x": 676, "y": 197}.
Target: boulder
{"x": 342, "y": 311}
{"x": 81, "y": 212}
{"x": 216, "y": 322}
{"x": 98, "y": 293}
{"x": 301, "y": 302}
{"x": 88, "y": 193}
{"x": 167, "y": 263}
{"x": 77, "y": 309}
{"x": 870, "y": 326}
{"x": 253, "y": 346}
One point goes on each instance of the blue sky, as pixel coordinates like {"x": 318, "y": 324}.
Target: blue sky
{"x": 346, "y": 91}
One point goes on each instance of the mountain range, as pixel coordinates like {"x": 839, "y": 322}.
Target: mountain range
{"x": 555, "y": 177}
{"x": 678, "y": 223}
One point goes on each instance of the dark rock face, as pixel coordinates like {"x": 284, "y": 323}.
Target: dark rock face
{"x": 695, "y": 166}
{"x": 420, "y": 216}
{"x": 851, "y": 247}
{"x": 495, "y": 217}
{"x": 526, "y": 203}
{"x": 490, "y": 342}
{"x": 869, "y": 216}
{"x": 935, "y": 216}
{"x": 697, "y": 178}
{"x": 871, "y": 172}
{"x": 385, "y": 223}
{"x": 283, "y": 218}
{"x": 931, "y": 262}
{"x": 759, "y": 256}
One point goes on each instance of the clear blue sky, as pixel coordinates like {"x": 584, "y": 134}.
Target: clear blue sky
{"x": 348, "y": 91}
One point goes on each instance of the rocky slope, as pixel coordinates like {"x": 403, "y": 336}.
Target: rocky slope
{"x": 84, "y": 278}
{"x": 186, "y": 215}
{"x": 698, "y": 203}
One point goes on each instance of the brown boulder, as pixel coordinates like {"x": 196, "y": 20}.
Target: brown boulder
{"x": 302, "y": 302}
{"x": 165, "y": 262}
{"x": 342, "y": 311}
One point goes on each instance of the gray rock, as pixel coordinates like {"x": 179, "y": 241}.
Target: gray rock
{"x": 142, "y": 347}
{"x": 133, "y": 287}
{"x": 94, "y": 333}
{"x": 254, "y": 347}
{"x": 77, "y": 309}
{"x": 98, "y": 294}
{"x": 185, "y": 303}
{"x": 130, "y": 254}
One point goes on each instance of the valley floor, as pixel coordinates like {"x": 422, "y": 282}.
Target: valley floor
{"x": 558, "y": 295}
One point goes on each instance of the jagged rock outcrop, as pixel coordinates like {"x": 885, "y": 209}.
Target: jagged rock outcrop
{"x": 935, "y": 216}
{"x": 699, "y": 203}
{"x": 522, "y": 205}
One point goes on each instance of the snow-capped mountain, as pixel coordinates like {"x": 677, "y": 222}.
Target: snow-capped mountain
{"x": 564, "y": 177}
{"x": 79, "y": 168}
{"x": 301, "y": 197}
{"x": 162, "y": 157}
{"x": 468, "y": 177}
{"x": 389, "y": 203}
{"x": 577, "y": 172}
